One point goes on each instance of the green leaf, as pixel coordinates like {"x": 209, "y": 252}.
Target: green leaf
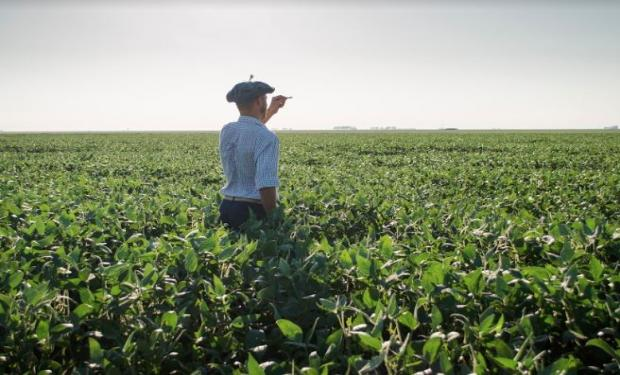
{"x": 345, "y": 259}
{"x": 35, "y": 294}
{"x": 445, "y": 363}
{"x": 181, "y": 219}
{"x": 218, "y": 286}
{"x": 96, "y": 354}
{"x": 392, "y": 307}
{"x": 480, "y": 364}
{"x": 535, "y": 271}
{"x": 568, "y": 365}
{"x": 372, "y": 364}
{"x": 191, "y": 261}
{"x": 386, "y": 246}
{"x": 62, "y": 327}
{"x": 408, "y": 320}
{"x": 501, "y": 348}
{"x": 334, "y": 338}
{"x": 434, "y": 275}
{"x": 247, "y": 251}
{"x": 369, "y": 341}
{"x": 328, "y": 305}
{"x": 228, "y": 253}
{"x": 39, "y": 227}
{"x": 267, "y": 293}
{"x": 66, "y": 219}
{"x": 237, "y": 322}
{"x": 431, "y": 349}
{"x": 43, "y": 329}
{"x": 469, "y": 252}
{"x": 486, "y": 324}
{"x": 169, "y": 319}
{"x": 284, "y": 267}
{"x": 253, "y": 366}
{"x": 82, "y": 310}
{"x": 604, "y": 346}
{"x": 567, "y": 252}
{"x": 368, "y": 298}
{"x": 378, "y": 328}
{"x": 596, "y": 268}
{"x": 526, "y": 326}
{"x": 501, "y": 286}
{"x": 16, "y": 278}
{"x": 86, "y": 296}
{"x": 12, "y": 208}
{"x": 291, "y": 330}
{"x": 500, "y": 324}
{"x": 506, "y": 363}
{"x": 474, "y": 281}
{"x": 166, "y": 220}
{"x": 129, "y": 345}
{"x": 590, "y": 225}
{"x": 363, "y": 265}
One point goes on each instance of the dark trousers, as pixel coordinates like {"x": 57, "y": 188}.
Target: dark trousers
{"x": 235, "y": 213}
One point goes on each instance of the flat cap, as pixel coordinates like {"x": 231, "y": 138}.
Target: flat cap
{"x": 244, "y": 92}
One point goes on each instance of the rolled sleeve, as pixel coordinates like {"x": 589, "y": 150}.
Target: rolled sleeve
{"x": 267, "y": 163}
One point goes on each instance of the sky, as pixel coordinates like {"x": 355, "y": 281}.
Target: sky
{"x": 159, "y": 65}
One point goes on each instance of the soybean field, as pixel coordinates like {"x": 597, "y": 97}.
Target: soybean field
{"x": 391, "y": 253}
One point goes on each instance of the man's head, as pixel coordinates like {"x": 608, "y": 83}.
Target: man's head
{"x": 256, "y": 106}
{"x": 250, "y": 97}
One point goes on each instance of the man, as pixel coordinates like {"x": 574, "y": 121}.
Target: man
{"x": 249, "y": 154}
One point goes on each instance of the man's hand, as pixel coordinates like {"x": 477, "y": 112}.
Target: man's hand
{"x": 277, "y": 102}
{"x": 268, "y": 197}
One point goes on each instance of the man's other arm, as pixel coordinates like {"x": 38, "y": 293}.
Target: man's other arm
{"x": 268, "y": 197}
{"x": 266, "y": 179}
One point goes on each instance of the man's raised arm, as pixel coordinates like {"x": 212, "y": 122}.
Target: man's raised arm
{"x": 277, "y": 102}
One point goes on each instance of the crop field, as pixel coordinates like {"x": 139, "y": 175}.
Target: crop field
{"x": 393, "y": 253}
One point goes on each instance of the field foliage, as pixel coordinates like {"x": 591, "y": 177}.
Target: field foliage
{"x": 392, "y": 253}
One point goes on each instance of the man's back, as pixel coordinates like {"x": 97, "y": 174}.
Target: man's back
{"x": 249, "y": 154}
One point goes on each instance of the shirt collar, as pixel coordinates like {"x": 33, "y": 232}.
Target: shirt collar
{"x": 243, "y": 118}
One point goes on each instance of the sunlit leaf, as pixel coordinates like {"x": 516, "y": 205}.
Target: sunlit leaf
{"x": 289, "y": 329}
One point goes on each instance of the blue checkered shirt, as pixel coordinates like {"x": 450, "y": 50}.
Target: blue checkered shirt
{"x": 249, "y": 154}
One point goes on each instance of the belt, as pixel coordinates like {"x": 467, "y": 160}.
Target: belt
{"x": 242, "y": 199}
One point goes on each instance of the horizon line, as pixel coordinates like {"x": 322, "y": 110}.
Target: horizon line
{"x": 287, "y": 130}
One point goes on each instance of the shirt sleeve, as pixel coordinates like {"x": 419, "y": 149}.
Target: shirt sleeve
{"x": 267, "y": 163}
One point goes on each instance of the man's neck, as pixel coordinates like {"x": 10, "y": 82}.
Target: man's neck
{"x": 259, "y": 117}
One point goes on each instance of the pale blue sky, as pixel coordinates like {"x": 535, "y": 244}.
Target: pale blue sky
{"x": 168, "y": 65}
